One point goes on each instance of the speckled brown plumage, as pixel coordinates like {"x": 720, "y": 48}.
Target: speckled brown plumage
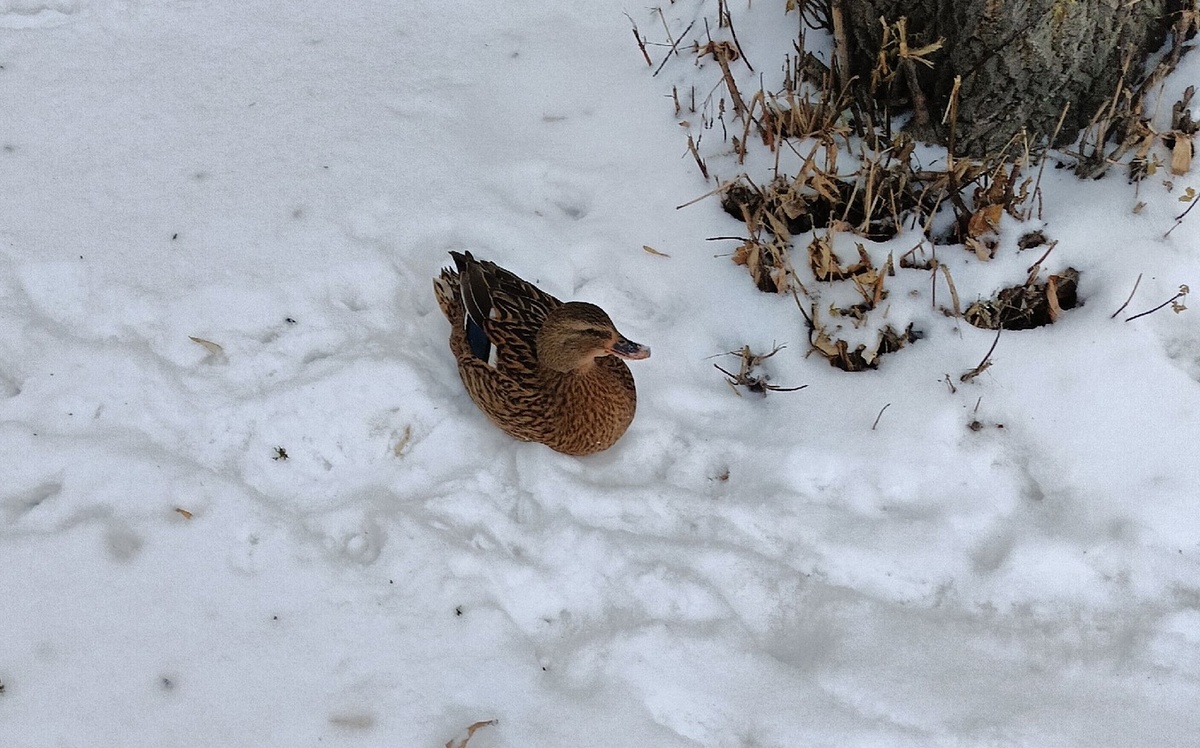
{"x": 578, "y": 397}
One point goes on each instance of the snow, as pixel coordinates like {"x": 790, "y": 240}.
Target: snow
{"x": 282, "y": 180}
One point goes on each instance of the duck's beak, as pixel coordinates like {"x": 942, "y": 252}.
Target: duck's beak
{"x": 626, "y": 348}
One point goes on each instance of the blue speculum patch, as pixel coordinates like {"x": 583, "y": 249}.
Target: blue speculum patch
{"x": 477, "y": 339}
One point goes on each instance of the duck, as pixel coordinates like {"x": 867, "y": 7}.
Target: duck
{"x": 541, "y": 370}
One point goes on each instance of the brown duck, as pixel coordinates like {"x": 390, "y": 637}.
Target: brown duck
{"x": 542, "y": 370}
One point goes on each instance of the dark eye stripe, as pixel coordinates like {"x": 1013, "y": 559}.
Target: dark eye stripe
{"x": 592, "y": 332}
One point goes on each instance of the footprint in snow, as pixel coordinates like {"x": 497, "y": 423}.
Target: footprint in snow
{"x": 24, "y": 14}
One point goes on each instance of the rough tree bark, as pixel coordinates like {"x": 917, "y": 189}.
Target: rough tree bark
{"x": 1020, "y": 60}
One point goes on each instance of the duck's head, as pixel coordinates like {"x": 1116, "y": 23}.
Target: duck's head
{"x": 577, "y": 333}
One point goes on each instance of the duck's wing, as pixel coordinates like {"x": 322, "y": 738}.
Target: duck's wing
{"x": 502, "y": 314}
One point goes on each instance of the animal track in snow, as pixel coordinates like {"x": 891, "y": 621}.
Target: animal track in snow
{"x": 24, "y": 14}
{"x": 21, "y": 504}
{"x": 8, "y": 387}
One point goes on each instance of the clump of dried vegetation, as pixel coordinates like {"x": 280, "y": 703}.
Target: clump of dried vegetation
{"x": 836, "y": 189}
{"x": 750, "y": 373}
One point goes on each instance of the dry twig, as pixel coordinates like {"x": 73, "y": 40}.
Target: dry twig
{"x": 640, "y": 41}
{"x": 1175, "y": 303}
{"x": 1131, "y": 293}
{"x": 985, "y": 363}
{"x": 1179, "y": 218}
{"x": 885, "y": 407}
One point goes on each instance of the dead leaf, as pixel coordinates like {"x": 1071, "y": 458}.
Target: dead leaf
{"x": 719, "y": 50}
{"x": 210, "y": 346}
{"x": 981, "y": 249}
{"x": 754, "y": 263}
{"x": 654, "y": 251}
{"x": 402, "y": 442}
{"x": 1181, "y": 155}
{"x": 985, "y": 220}
{"x": 470, "y": 731}
{"x": 779, "y": 277}
{"x": 824, "y": 265}
{"x": 1055, "y": 311}
{"x": 183, "y": 512}
{"x": 741, "y": 255}
{"x": 824, "y": 343}
{"x": 794, "y": 207}
{"x": 877, "y": 294}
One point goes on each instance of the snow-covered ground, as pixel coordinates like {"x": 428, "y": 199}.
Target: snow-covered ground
{"x": 281, "y": 180}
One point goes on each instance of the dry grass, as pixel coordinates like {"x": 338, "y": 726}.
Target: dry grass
{"x": 849, "y": 174}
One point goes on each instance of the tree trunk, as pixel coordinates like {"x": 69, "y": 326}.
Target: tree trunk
{"x": 1020, "y": 61}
